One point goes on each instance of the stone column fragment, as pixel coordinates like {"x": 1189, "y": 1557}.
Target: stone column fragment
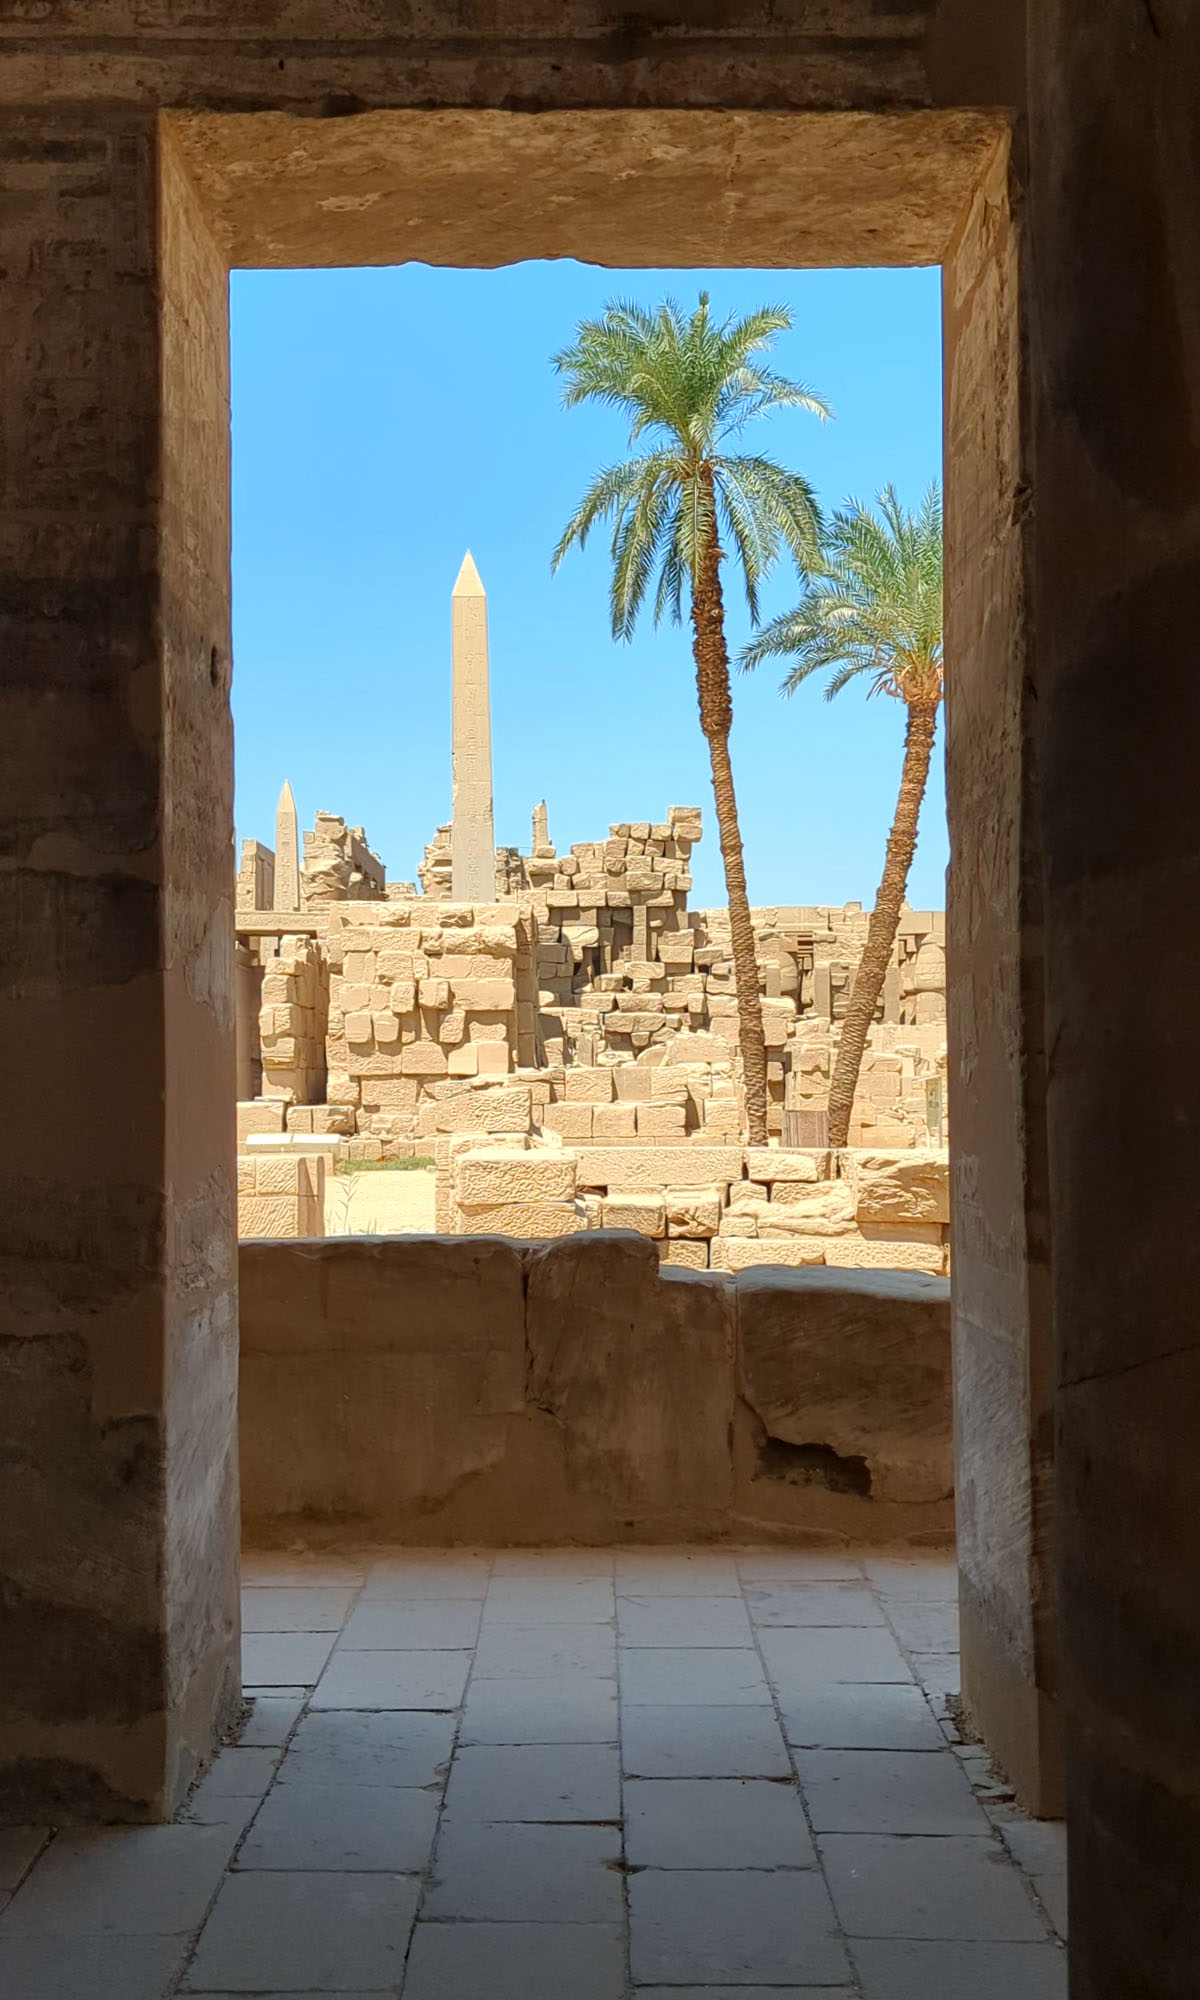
{"x": 474, "y": 844}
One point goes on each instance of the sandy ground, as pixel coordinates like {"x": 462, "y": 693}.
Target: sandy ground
{"x": 380, "y": 1204}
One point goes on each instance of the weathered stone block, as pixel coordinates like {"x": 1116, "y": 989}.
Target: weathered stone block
{"x": 683, "y": 1252}
{"x": 645, "y": 1213}
{"x": 858, "y": 1364}
{"x": 423, "y": 1059}
{"x": 824, "y": 1210}
{"x": 661, "y": 1121}
{"x": 486, "y": 996}
{"x": 771, "y": 1163}
{"x": 574, "y": 1121}
{"x": 745, "y": 1253}
{"x": 636, "y": 1366}
{"x": 694, "y": 1211}
{"x": 614, "y": 1121}
{"x": 525, "y": 1219}
{"x": 258, "y": 1114}
{"x": 918, "y": 1247}
{"x": 589, "y": 1086}
{"x": 400, "y": 1364}
{"x": 646, "y": 1168}
{"x": 487, "y": 1176}
{"x": 901, "y": 1187}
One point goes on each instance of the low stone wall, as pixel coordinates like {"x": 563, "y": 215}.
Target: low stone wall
{"x": 477, "y": 1389}
{"x": 706, "y": 1206}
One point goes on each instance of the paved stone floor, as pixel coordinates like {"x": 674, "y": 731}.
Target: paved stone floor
{"x": 692, "y": 1774}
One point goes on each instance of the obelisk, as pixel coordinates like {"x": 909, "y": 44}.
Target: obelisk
{"x": 287, "y": 852}
{"x": 473, "y": 840}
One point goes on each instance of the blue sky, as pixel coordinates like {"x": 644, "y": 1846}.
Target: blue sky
{"x": 386, "y": 420}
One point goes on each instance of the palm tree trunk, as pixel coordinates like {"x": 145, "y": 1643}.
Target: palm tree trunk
{"x": 885, "y": 917}
{"x": 716, "y": 718}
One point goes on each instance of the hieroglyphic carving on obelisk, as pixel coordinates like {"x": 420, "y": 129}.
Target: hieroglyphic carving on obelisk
{"x": 473, "y": 842}
{"x": 287, "y": 852}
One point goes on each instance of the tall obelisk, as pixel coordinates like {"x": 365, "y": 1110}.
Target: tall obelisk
{"x": 473, "y": 877}
{"x": 287, "y": 852}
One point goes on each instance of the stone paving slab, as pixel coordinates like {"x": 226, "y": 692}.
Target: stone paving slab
{"x": 515, "y": 1961}
{"x": 277, "y": 1608}
{"x": 570, "y": 1708}
{"x": 361, "y": 1749}
{"x": 918, "y": 1886}
{"x": 543, "y": 1652}
{"x": 802, "y": 1658}
{"x": 693, "y": 1676}
{"x": 525, "y": 1600}
{"x": 715, "y": 1823}
{"x": 888, "y": 1791}
{"x": 98, "y": 1968}
{"x": 410, "y": 1624}
{"x": 849, "y": 1716}
{"x": 394, "y": 1680}
{"x": 905, "y": 1971}
{"x": 271, "y": 1720}
{"x": 710, "y": 1925}
{"x": 694, "y": 1620}
{"x": 19, "y": 1848}
{"x": 144, "y": 1881}
{"x": 570, "y": 1781}
{"x": 291, "y": 1658}
{"x": 703, "y": 1740}
{"x": 535, "y": 1874}
{"x": 833, "y": 1603}
{"x": 573, "y": 1776}
{"x": 361, "y": 1828}
{"x": 283, "y": 1933}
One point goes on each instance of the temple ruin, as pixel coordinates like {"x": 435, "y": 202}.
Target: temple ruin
{"x": 574, "y": 1010}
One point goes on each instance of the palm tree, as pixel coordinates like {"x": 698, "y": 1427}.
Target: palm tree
{"x": 688, "y": 386}
{"x": 875, "y": 608}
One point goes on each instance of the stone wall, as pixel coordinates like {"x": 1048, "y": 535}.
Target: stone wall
{"x": 709, "y": 1207}
{"x": 615, "y": 974}
{"x": 293, "y": 1021}
{"x": 575, "y": 1391}
{"x": 339, "y": 866}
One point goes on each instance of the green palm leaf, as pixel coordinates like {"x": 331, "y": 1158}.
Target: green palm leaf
{"x": 872, "y": 605}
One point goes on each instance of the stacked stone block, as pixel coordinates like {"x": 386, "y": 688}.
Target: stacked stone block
{"x": 255, "y": 888}
{"x": 724, "y": 1208}
{"x": 293, "y": 1020}
{"x": 281, "y": 1194}
{"x": 424, "y": 1012}
{"x": 339, "y": 866}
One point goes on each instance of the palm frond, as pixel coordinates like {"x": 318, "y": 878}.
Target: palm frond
{"x": 872, "y": 605}
{"x": 685, "y": 382}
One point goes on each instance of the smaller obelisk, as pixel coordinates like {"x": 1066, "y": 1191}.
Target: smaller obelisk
{"x": 287, "y": 852}
{"x": 473, "y": 840}
{"x": 541, "y": 827}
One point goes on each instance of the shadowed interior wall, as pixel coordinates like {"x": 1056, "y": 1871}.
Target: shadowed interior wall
{"x": 1115, "y": 213}
{"x": 117, "y": 1496}
{"x": 1000, "y": 1247}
